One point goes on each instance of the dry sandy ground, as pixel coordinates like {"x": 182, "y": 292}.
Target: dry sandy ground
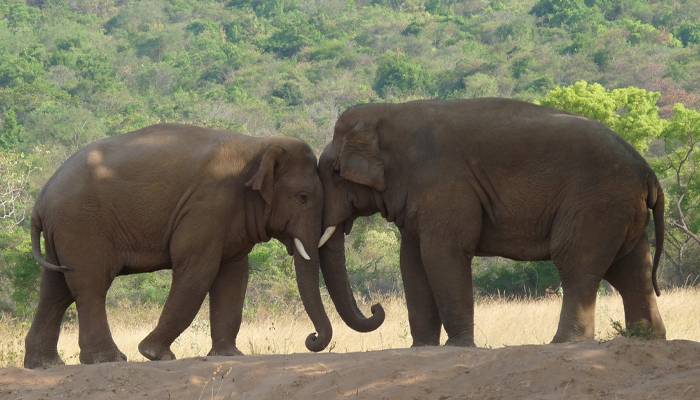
{"x": 619, "y": 369}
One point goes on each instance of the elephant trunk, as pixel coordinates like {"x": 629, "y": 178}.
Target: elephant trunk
{"x": 336, "y": 277}
{"x": 307, "y": 271}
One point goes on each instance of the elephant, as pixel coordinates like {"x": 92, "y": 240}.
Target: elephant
{"x": 172, "y": 196}
{"x": 493, "y": 177}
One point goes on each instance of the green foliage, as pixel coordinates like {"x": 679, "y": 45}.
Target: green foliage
{"x": 263, "y": 8}
{"x": 689, "y": 33}
{"x": 295, "y": 32}
{"x": 20, "y": 270}
{"x": 142, "y": 288}
{"x": 639, "y": 32}
{"x": 570, "y": 13}
{"x": 638, "y": 330}
{"x": 682, "y": 183}
{"x": 372, "y": 253}
{"x": 290, "y": 92}
{"x": 501, "y": 276}
{"x": 273, "y": 280}
{"x": 631, "y": 112}
{"x": 11, "y": 131}
{"x": 397, "y": 74}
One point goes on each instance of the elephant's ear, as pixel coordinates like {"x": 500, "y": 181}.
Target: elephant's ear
{"x": 263, "y": 181}
{"x": 359, "y": 160}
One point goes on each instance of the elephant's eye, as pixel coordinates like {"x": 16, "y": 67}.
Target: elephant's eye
{"x": 303, "y": 198}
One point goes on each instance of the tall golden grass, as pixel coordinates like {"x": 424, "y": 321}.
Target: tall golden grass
{"x": 499, "y": 322}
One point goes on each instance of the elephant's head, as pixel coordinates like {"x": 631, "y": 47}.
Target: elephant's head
{"x": 284, "y": 181}
{"x": 352, "y": 173}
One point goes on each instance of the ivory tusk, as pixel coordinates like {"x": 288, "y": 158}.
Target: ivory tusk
{"x": 301, "y": 250}
{"x": 326, "y": 235}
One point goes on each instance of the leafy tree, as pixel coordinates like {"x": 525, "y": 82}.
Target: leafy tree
{"x": 682, "y": 184}
{"x": 15, "y": 248}
{"x": 689, "y": 33}
{"x": 11, "y": 132}
{"x": 639, "y": 32}
{"x": 399, "y": 74}
{"x": 290, "y": 92}
{"x": 480, "y": 85}
{"x": 264, "y": 8}
{"x": 295, "y": 32}
{"x": 631, "y": 112}
{"x": 571, "y": 13}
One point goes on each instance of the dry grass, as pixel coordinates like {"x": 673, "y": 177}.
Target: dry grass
{"x": 499, "y": 322}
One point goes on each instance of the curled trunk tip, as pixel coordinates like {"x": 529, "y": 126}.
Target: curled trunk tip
{"x": 371, "y": 323}
{"x": 317, "y": 342}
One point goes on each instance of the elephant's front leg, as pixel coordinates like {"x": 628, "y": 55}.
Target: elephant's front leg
{"x": 449, "y": 232}
{"x": 423, "y": 314}
{"x": 226, "y": 298}
{"x": 450, "y": 275}
{"x": 196, "y": 253}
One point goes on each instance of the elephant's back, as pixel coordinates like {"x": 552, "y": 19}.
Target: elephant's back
{"x": 134, "y": 180}
{"x": 513, "y": 137}
{"x": 532, "y": 156}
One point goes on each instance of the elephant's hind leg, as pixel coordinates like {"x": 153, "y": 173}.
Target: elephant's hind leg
{"x": 226, "y": 298}
{"x": 582, "y": 251}
{"x": 42, "y": 339}
{"x": 89, "y": 284}
{"x": 631, "y": 276}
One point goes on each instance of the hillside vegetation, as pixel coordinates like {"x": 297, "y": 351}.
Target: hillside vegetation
{"x": 75, "y": 71}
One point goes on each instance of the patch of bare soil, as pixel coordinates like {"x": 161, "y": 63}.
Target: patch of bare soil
{"x": 619, "y": 369}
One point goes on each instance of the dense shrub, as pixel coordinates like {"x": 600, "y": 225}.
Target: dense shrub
{"x": 397, "y": 74}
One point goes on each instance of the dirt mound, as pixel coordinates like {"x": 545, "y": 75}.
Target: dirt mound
{"x": 619, "y": 369}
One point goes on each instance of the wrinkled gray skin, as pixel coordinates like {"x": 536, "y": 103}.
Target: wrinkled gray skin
{"x": 172, "y": 196}
{"x": 493, "y": 177}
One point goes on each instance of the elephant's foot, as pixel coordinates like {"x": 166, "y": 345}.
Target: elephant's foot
{"x": 461, "y": 340}
{"x": 227, "y": 351}
{"x": 425, "y": 342}
{"x": 645, "y": 329}
{"x": 101, "y": 356}
{"x": 42, "y": 360}
{"x": 571, "y": 336}
{"x": 155, "y": 351}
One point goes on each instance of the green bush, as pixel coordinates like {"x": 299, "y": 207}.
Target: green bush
{"x": 689, "y": 33}
{"x": 11, "y": 131}
{"x": 294, "y": 33}
{"x": 569, "y": 13}
{"x": 18, "y": 269}
{"x": 501, "y": 276}
{"x": 290, "y": 92}
{"x": 398, "y": 74}
{"x": 640, "y": 330}
{"x": 631, "y": 112}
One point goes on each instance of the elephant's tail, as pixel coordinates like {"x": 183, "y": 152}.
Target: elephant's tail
{"x": 36, "y": 247}
{"x": 655, "y": 201}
